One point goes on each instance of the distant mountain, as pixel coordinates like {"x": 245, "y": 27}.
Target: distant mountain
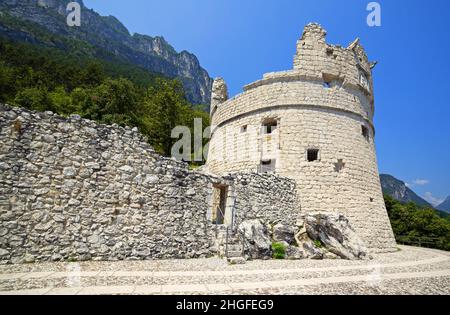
{"x": 44, "y": 22}
{"x": 445, "y": 206}
{"x": 398, "y": 190}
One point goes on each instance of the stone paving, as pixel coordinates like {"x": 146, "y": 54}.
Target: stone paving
{"x": 408, "y": 271}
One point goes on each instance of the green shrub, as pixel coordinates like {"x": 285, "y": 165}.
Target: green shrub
{"x": 279, "y": 250}
{"x": 72, "y": 259}
{"x": 318, "y": 244}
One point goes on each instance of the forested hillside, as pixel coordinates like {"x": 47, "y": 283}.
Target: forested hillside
{"x": 44, "y": 22}
{"x": 42, "y": 79}
{"x": 418, "y": 226}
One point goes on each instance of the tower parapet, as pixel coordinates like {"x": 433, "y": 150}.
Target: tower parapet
{"x": 313, "y": 37}
{"x": 346, "y": 66}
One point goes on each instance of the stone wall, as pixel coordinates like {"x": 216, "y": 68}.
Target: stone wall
{"x": 71, "y": 189}
{"x": 271, "y": 198}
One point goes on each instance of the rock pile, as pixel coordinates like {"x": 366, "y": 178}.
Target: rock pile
{"x": 319, "y": 236}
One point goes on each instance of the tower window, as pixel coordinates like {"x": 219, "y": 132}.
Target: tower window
{"x": 330, "y": 51}
{"x": 267, "y": 166}
{"x": 244, "y": 129}
{"x": 270, "y": 126}
{"x": 312, "y": 155}
{"x": 328, "y": 79}
{"x": 365, "y": 132}
{"x": 364, "y": 81}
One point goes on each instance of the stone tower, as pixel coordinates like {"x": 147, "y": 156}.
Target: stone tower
{"x": 313, "y": 124}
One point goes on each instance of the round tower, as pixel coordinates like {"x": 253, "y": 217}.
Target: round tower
{"x": 313, "y": 124}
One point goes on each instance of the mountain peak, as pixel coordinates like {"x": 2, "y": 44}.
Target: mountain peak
{"x": 445, "y": 206}
{"x": 109, "y": 37}
{"x": 398, "y": 190}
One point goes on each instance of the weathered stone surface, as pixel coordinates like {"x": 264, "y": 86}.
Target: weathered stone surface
{"x": 101, "y": 192}
{"x": 28, "y": 258}
{"x": 236, "y": 261}
{"x": 293, "y": 252}
{"x": 3, "y": 253}
{"x": 258, "y": 244}
{"x": 284, "y": 233}
{"x": 311, "y": 251}
{"x": 268, "y": 197}
{"x": 3, "y": 231}
{"x": 336, "y": 234}
{"x": 219, "y": 93}
{"x": 78, "y": 199}
{"x": 126, "y": 169}
{"x": 69, "y": 172}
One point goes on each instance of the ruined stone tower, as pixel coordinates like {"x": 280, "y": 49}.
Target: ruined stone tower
{"x": 313, "y": 124}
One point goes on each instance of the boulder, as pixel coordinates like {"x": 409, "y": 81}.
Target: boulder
{"x": 311, "y": 251}
{"x": 284, "y": 233}
{"x": 293, "y": 252}
{"x": 258, "y": 244}
{"x": 336, "y": 234}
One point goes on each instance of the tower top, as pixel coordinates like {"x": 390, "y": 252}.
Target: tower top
{"x": 314, "y": 31}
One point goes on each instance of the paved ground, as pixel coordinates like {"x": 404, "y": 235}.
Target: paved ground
{"x": 408, "y": 271}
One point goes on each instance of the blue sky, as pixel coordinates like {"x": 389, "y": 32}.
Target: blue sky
{"x": 241, "y": 40}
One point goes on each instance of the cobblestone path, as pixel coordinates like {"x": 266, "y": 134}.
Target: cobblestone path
{"x": 408, "y": 271}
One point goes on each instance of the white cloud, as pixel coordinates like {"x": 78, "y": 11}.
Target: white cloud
{"x": 421, "y": 182}
{"x": 435, "y": 201}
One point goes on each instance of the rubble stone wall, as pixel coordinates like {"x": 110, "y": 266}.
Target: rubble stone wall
{"x": 72, "y": 189}
{"x": 270, "y": 198}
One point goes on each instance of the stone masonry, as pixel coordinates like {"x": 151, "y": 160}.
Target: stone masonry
{"x": 313, "y": 124}
{"x": 71, "y": 189}
{"x": 272, "y": 199}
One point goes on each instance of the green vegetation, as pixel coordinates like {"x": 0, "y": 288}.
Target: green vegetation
{"x": 318, "y": 244}
{"x": 42, "y": 79}
{"x": 418, "y": 226}
{"x": 279, "y": 250}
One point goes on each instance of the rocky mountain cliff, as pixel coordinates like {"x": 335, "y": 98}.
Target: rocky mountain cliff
{"x": 445, "y": 206}
{"x": 105, "y": 35}
{"x": 398, "y": 190}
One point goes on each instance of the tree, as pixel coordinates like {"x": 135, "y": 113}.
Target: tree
{"x": 7, "y": 85}
{"x": 419, "y": 226}
{"x": 109, "y": 92}
{"x": 35, "y": 99}
{"x": 164, "y": 108}
{"x": 114, "y": 101}
{"x": 92, "y": 75}
{"x": 62, "y": 101}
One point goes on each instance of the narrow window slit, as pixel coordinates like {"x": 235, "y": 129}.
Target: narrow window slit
{"x": 313, "y": 155}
